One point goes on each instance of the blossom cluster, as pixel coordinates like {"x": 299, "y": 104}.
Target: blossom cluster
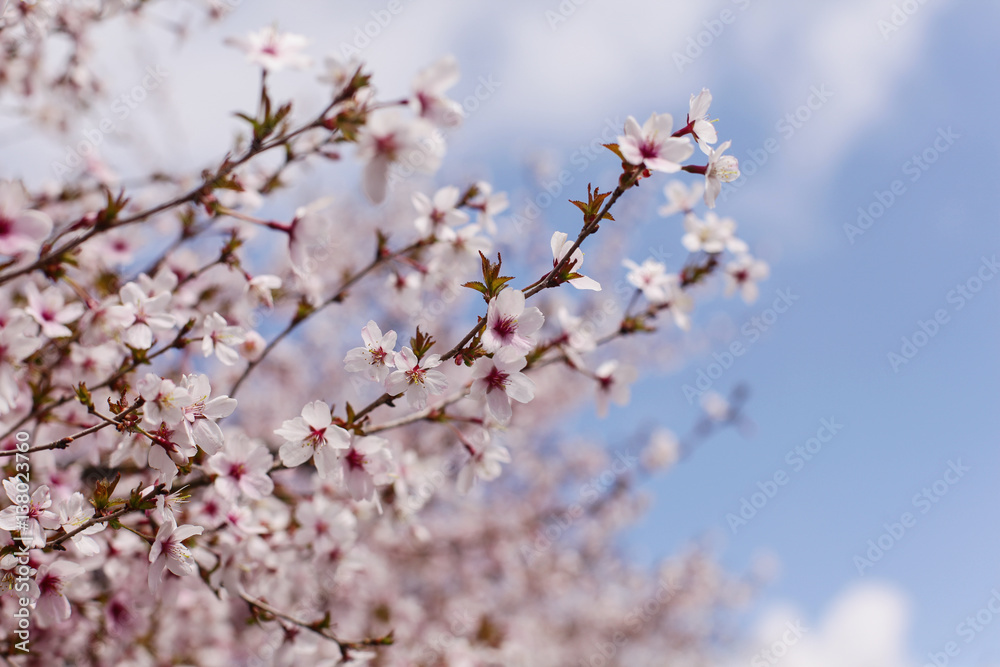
{"x": 222, "y": 475}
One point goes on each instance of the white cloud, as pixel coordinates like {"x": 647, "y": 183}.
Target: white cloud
{"x": 865, "y": 626}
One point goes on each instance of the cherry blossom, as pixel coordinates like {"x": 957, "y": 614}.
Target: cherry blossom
{"x": 312, "y": 435}
{"x": 650, "y": 277}
{"x": 74, "y": 512}
{"x": 680, "y": 198}
{"x": 484, "y": 465}
{"x": 22, "y": 230}
{"x": 164, "y": 400}
{"x": 30, "y": 526}
{"x": 489, "y": 204}
{"x": 676, "y": 301}
{"x": 201, "y": 412}
{"x": 578, "y": 333}
{"x": 743, "y": 273}
{"x": 274, "y": 50}
{"x": 561, "y": 244}
{"x": 613, "y": 380}
{"x": 428, "y": 93}
{"x": 262, "y": 288}
{"x": 17, "y": 342}
{"x": 711, "y": 235}
{"x": 439, "y": 211}
{"x": 376, "y": 358}
{"x": 509, "y": 325}
{"x": 661, "y": 451}
{"x": 365, "y": 464}
{"x": 145, "y": 315}
{"x": 721, "y": 169}
{"x": 496, "y": 381}
{"x": 416, "y": 378}
{"x": 388, "y": 138}
{"x": 169, "y": 553}
{"x": 701, "y": 127}
{"x": 652, "y": 144}
{"x": 715, "y": 406}
{"x": 52, "y": 606}
{"x": 51, "y": 311}
{"x": 324, "y": 525}
{"x": 220, "y": 338}
{"x": 242, "y": 469}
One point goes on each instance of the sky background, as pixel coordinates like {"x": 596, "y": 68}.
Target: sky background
{"x": 892, "y": 90}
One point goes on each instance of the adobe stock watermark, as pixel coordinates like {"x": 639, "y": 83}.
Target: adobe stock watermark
{"x": 967, "y": 630}
{"x": 121, "y": 108}
{"x": 581, "y": 158}
{"x": 914, "y": 168}
{"x": 365, "y": 34}
{"x": 562, "y": 12}
{"x": 751, "y": 331}
{"x": 590, "y": 492}
{"x": 712, "y": 30}
{"x": 924, "y": 501}
{"x": 962, "y": 294}
{"x": 607, "y": 648}
{"x": 898, "y": 17}
{"x": 779, "y": 648}
{"x": 796, "y": 459}
{"x": 786, "y": 127}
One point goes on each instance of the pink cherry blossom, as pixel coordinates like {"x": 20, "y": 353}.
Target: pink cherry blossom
{"x": 652, "y": 144}
{"x": 416, "y": 378}
{"x": 50, "y": 310}
{"x": 312, "y": 435}
{"x": 376, "y": 358}
{"x": 439, "y": 211}
{"x": 365, "y": 465}
{"x": 496, "y": 381}
{"x": 220, "y": 338}
{"x": 169, "y": 553}
{"x": 701, "y": 127}
{"x": 242, "y": 469}
{"x": 720, "y": 169}
{"x": 613, "y": 380}
{"x": 274, "y": 50}
{"x": 22, "y": 230}
{"x": 52, "y": 606}
{"x": 743, "y": 273}
{"x": 389, "y": 139}
{"x": 39, "y": 518}
{"x": 561, "y": 244}
{"x": 510, "y": 326}
{"x": 428, "y": 93}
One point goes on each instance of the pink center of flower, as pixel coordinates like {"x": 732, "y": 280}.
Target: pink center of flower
{"x": 649, "y": 148}
{"x": 317, "y": 438}
{"x": 237, "y": 470}
{"x": 355, "y": 460}
{"x": 386, "y": 146}
{"x": 175, "y": 550}
{"x": 50, "y": 584}
{"x": 416, "y": 375}
{"x": 6, "y": 226}
{"x": 505, "y": 327}
{"x": 741, "y": 276}
{"x": 378, "y": 356}
{"x": 496, "y": 379}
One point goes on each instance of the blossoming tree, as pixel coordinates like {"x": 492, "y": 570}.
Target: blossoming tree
{"x": 333, "y": 434}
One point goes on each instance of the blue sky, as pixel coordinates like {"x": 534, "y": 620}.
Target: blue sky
{"x": 891, "y": 95}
